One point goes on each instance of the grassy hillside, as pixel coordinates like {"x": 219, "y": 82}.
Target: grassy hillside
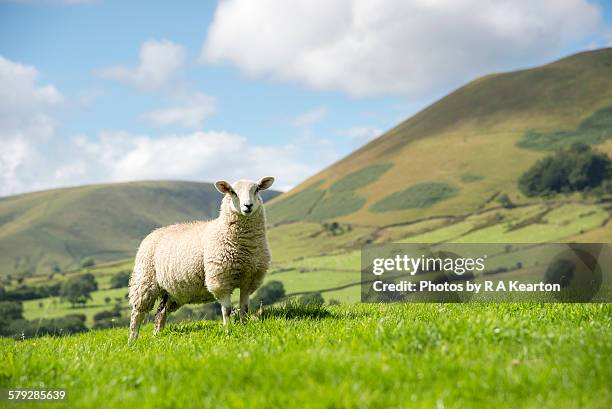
{"x": 415, "y": 355}
{"x": 457, "y": 155}
{"x": 56, "y": 228}
{"x": 308, "y": 257}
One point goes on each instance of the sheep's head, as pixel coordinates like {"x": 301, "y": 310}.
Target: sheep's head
{"x": 244, "y": 194}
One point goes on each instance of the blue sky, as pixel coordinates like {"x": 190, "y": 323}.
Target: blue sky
{"x": 245, "y": 89}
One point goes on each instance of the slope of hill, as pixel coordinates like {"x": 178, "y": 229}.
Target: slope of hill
{"x": 56, "y": 228}
{"x": 458, "y": 154}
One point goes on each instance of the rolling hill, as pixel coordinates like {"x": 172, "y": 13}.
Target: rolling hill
{"x": 56, "y": 228}
{"x": 457, "y": 155}
{"x": 434, "y": 177}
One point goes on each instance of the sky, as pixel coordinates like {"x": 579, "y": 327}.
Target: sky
{"x": 109, "y": 91}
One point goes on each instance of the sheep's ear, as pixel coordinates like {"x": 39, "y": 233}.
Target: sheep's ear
{"x": 265, "y": 183}
{"x": 223, "y": 187}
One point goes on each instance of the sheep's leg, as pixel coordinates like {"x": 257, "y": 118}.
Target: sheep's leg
{"x": 141, "y": 305}
{"x": 244, "y": 303}
{"x": 135, "y": 321}
{"x": 226, "y": 308}
{"x": 161, "y": 315}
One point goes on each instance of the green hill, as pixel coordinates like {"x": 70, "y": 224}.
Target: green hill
{"x": 456, "y": 156}
{"x": 56, "y": 228}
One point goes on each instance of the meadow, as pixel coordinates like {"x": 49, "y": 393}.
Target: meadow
{"x": 308, "y": 257}
{"x": 352, "y": 356}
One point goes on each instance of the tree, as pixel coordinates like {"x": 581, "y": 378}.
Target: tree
{"x": 77, "y": 290}
{"x": 87, "y": 262}
{"x": 10, "y": 311}
{"x": 269, "y": 293}
{"x": 90, "y": 281}
{"x": 120, "y": 280}
{"x": 578, "y": 168}
{"x": 505, "y": 201}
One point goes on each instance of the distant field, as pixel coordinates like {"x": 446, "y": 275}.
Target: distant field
{"x": 410, "y": 355}
{"x": 307, "y": 257}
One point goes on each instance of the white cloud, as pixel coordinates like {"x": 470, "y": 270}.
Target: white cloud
{"x": 189, "y": 111}
{"x": 158, "y": 70}
{"x": 20, "y": 166}
{"x": 121, "y": 156}
{"x": 159, "y": 64}
{"x": 310, "y": 117}
{"x": 31, "y": 158}
{"x": 366, "y": 47}
{"x": 361, "y": 134}
{"x": 26, "y": 120}
{"x": 118, "y": 156}
{"x": 20, "y": 95}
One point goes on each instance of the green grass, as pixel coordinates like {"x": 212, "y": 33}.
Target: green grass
{"x": 297, "y": 240}
{"x": 360, "y": 178}
{"x": 411, "y": 356}
{"x": 418, "y": 196}
{"x": 595, "y": 129}
{"x": 470, "y": 178}
{"x": 336, "y": 204}
{"x": 342, "y": 261}
{"x": 52, "y": 307}
{"x": 561, "y": 222}
{"x": 295, "y": 207}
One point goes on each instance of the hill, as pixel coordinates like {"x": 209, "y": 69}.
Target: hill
{"x": 459, "y": 154}
{"x": 52, "y": 229}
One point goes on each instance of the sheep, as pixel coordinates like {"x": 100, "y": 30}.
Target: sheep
{"x": 203, "y": 261}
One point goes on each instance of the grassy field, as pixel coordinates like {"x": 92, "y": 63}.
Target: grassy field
{"x": 309, "y": 258}
{"x": 377, "y": 356}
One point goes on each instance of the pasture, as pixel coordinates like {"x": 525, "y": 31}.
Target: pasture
{"x": 378, "y": 356}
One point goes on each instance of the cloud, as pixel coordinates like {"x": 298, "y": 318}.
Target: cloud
{"x": 26, "y": 121}
{"x": 20, "y": 95}
{"x": 158, "y": 70}
{"x": 365, "y": 47}
{"x": 122, "y": 156}
{"x": 361, "y": 134}
{"x": 159, "y": 64}
{"x": 118, "y": 156}
{"x": 189, "y": 112}
{"x": 32, "y": 158}
{"x": 310, "y": 117}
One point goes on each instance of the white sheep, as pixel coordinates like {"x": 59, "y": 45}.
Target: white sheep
{"x": 203, "y": 261}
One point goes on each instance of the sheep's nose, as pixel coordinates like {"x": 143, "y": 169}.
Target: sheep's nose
{"x": 248, "y": 207}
